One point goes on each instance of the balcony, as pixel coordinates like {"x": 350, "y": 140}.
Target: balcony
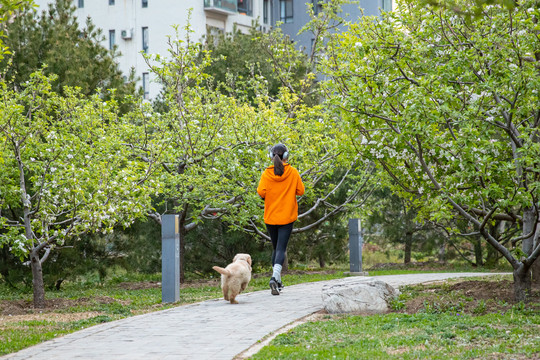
{"x": 245, "y": 7}
{"x": 222, "y": 7}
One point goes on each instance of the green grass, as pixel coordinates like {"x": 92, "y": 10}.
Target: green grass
{"x": 21, "y": 334}
{"x": 417, "y": 336}
{"x": 449, "y": 324}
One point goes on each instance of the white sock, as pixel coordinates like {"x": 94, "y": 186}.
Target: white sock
{"x": 277, "y": 272}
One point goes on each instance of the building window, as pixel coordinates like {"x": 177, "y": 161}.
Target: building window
{"x": 386, "y": 5}
{"x": 111, "y": 2}
{"x": 112, "y": 39}
{"x": 145, "y": 39}
{"x": 265, "y": 11}
{"x": 146, "y": 85}
{"x": 80, "y": 4}
{"x": 144, "y": 3}
{"x": 245, "y": 7}
{"x": 286, "y": 11}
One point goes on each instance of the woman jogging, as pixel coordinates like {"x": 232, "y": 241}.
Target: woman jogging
{"x": 279, "y": 186}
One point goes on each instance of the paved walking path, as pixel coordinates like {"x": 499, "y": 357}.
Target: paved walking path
{"x": 211, "y": 329}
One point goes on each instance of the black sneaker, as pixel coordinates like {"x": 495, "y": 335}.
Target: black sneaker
{"x": 274, "y": 286}
{"x": 280, "y": 286}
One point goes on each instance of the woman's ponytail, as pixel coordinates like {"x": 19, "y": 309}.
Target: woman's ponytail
{"x": 279, "y": 169}
{"x": 279, "y": 153}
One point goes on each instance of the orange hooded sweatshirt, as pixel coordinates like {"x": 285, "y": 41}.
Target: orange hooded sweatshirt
{"x": 279, "y": 194}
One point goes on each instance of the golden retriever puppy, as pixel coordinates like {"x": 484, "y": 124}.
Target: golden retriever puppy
{"x": 235, "y": 277}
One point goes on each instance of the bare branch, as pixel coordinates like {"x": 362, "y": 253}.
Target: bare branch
{"x": 155, "y": 216}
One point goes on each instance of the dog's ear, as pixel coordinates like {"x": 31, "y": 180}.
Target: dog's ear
{"x": 249, "y": 260}
{"x": 235, "y": 258}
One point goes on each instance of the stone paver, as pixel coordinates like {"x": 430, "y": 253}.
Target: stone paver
{"x": 211, "y": 329}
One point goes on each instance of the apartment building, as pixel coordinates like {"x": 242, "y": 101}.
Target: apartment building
{"x": 135, "y": 26}
{"x": 292, "y": 14}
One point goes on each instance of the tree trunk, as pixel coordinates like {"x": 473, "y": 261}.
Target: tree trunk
{"x": 442, "y": 251}
{"x": 529, "y": 223}
{"x": 322, "y": 262}
{"x": 535, "y": 269}
{"x": 37, "y": 280}
{"x": 37, "y": 273}
{"x": 408, "y": 246}
{"x": 530, "y": 218}
{"x": 522, "y": 283}
{"x": 478, "y": 255}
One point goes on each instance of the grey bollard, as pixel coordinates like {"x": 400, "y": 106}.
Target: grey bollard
{"x": 170, "y": 259}
{"x": 355, "y": 246}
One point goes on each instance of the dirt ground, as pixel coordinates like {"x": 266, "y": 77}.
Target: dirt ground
{"x": 475, "y": 297}
{"x": 24, "y": 310}
{"x": 13, "y": 311}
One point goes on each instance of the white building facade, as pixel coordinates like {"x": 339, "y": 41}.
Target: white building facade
{"x": 136, "y": 26}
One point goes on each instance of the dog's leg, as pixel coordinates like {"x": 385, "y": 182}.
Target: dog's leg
{"x": 225, "y": 291}
{"x": 243, "y": 286}
{"x": 233, "y": 300}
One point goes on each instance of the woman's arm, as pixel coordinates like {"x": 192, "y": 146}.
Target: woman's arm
{"x": 300, "y": 189}
{"x": 261, "y": 189}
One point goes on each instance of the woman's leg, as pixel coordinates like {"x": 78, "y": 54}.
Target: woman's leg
{"x": 273, "y": 232}
{"x": 284, "y": 233}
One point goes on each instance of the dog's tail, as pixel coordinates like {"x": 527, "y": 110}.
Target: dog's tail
{"x": 222, "y": 270}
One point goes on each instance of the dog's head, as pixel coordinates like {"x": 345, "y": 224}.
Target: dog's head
{"x": 245, "y": 257}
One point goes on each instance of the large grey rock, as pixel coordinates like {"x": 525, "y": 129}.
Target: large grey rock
{"x": 358, "y": 297}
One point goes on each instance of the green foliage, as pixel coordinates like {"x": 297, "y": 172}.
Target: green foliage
{"x": 7, "y": 9}
{"x": 397, "y": 304}
{"x": 456, "y": 131}
{"x": 328, "y": 242}
{"x": 65, "y": 170}
{"x": 213, "y": 146}
{"x": 390, "y": 219}
{"x": 201, "y": 154}
{"x": 137, "y": 248}
{"x": 474, "y": 8}
{"x": 12, "y": 271}
{"x": 215, "y": 243}
{"x": 238, "y": 57}
{"x": 481, "y": 308}
{"x": 447, "y": 107}
{"x": 72, "y": 161}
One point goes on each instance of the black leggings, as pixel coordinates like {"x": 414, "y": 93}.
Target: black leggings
{"x": 279, "y": 234}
